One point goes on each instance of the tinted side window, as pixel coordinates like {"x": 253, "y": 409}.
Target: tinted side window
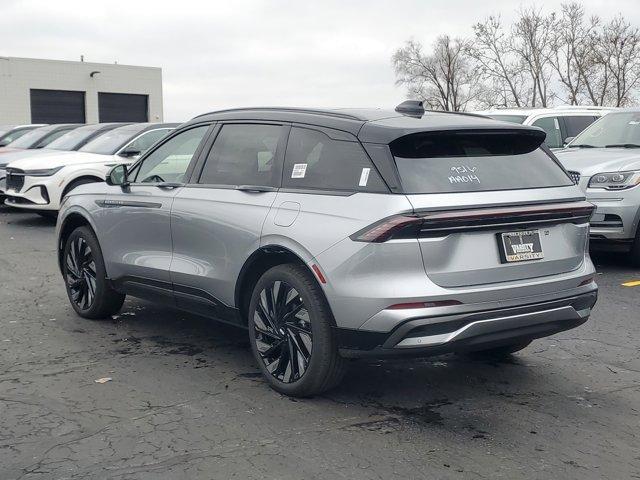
{"x": 552, "y": 127}
{"x": 314, "y": 160}
{"x": 577, "y": 124}
{"x": 169, "y": 162}
{"x": 243, "y": 155}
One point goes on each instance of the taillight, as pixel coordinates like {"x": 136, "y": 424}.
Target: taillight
{"x": 424, "y": 224}
{"x": 398, "y": 226}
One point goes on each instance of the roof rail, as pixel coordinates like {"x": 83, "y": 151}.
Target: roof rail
{"x": 311, "y": 111}
{"x": 582, "y": 107}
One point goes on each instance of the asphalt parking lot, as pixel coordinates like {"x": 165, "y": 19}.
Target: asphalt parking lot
{"x": 187, "y": 402}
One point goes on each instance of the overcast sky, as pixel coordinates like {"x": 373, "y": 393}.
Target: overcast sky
{"x": 241, "y": 53}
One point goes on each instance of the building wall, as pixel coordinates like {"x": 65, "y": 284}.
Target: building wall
{"x": 19, "y": 75}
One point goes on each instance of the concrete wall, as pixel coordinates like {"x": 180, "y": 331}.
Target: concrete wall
{"x": 19, "y": 75}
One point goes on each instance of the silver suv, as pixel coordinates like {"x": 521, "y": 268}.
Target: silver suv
{"x": 605, "y": 161}
{"x": 333, "y": 234}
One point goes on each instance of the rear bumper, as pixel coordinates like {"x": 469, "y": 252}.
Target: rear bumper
{"x": 470, "y": 331}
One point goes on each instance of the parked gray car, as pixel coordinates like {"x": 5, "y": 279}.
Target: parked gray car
{"x": 332, "y": 234}
{"x": 605, "y": 161}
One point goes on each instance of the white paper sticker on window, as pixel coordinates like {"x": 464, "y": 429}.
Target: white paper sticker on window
{"x": 364, "y": 177}
{"x": 299, "y": 170}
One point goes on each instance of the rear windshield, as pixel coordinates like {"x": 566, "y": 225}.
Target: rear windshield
{"x": 436, "y": 162}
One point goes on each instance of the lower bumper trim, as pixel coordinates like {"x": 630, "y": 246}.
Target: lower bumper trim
{"x": 472, "y": 331}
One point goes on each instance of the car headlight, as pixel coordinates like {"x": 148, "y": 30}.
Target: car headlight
{"x": 42, "y": 172}
{"x": 615, "y": 180}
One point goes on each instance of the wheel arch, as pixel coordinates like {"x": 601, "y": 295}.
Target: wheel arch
{"x": 84, "y": 176}
{"x": 70, "y": 222}
{"x": 266, "y": 257}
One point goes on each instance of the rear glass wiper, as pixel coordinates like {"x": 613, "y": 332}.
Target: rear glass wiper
{"x": 583, "y": 145}
{"x": 622, "y": 145}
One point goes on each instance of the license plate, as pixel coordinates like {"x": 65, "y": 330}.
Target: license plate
{"x": 521, "y": 246}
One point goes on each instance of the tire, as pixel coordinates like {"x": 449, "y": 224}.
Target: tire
{"x": 300, "y": 325}
{"x": 634, "y": 253}
{"x": 85, "y": 277}
{"x": 497, "y": 352}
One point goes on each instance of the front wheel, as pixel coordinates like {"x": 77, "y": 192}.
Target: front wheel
{"x": 291, "y": 335}
{"x": 85, "y": 276}
{"x": 634, "y": 253}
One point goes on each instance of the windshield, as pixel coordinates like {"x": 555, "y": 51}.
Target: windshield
{"x": 32, "y": 138}
{"x": 474, "y": 162}
{"x": 112, "y": 141}
{"x": 509, "y": 118}
{"x": 75, "y": 138}
{"x": 615, "y": 129}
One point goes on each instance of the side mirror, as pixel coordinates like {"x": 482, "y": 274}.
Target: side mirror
{"x": 130, "y": 153}
{"x": 568, "y": 140}
{"x": 117, "y": 176}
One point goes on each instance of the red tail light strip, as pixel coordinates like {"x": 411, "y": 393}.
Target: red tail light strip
{"x": 429, "y": 224}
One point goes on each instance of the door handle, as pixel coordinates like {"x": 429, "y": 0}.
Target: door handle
{"x": 255, "y": 188}
{"x": 169, "y": 185}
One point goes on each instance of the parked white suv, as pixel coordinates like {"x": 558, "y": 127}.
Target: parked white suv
{"x": 561, "y": 124}
{"x": 40, "y": 183}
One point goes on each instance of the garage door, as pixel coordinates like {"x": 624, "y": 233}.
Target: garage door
{"x": 123, "y": 107}
{"x": 57, "y": 106}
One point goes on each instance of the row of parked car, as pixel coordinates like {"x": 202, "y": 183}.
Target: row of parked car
{"x": 333, "y": 234}
{"x": 40, "y": 164}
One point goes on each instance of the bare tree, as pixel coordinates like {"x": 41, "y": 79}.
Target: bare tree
{"x": 540, "y": 57}
{"x": 533, "y": 37}
{"x": 620, "y": 51}
{"x": 492, "y": 53}
{"x": 573, "y": 51}
{"x": 443, "y": 79}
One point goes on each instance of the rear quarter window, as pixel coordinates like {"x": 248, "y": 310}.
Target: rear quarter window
{"x": 474, "y": 162}
{"x": 315, "y": 161}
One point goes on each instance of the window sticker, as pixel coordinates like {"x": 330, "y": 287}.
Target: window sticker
{"x": 364, "y": 177}
{"x": 299, "y": 170}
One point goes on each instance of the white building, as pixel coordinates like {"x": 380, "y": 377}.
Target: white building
{"x": 54, "y": 91}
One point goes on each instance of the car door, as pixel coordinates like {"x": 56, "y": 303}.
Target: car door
{"x": 217, "y": 218}
{"x": 135, "y": 218}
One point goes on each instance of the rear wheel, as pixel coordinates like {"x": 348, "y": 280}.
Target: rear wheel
{"x": 498, "y": 352}
{"x": 85, "y": 277}
{"x": 291, "y": 335}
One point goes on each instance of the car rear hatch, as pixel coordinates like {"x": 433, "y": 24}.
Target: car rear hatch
{"x": 490, "y": 206}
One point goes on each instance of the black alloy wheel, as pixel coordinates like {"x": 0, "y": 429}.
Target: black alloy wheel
{"x": 81, "y": 273}
{"x": 283, "y": 332}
